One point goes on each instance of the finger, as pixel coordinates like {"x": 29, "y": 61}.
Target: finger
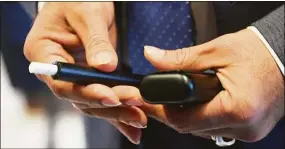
{"x": 46, "y": 48}
{"x": 51, "y": 24}
{"x": 45, "y": 51}
{"x": 128, "y": 95}
{"x": 46, "y": 42}
{"x": 113, "y": 35}
{"x": 133, "y": 134}
{"x": 215, "y": 114}
{"x": 96, "y": 95}
{"x": 90, "y": 94}
{"x": 197, "y": 58}
{"x": 132, "y": 116}
{"x": 92, "y": 28}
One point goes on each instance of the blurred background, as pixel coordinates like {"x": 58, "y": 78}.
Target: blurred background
{"x": 31, "y": 117}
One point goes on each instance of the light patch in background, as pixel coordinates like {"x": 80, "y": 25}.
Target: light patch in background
{"x": 69, "y": 131}
{"x": 18, "y": 129}
{"x": 21, "y": 130}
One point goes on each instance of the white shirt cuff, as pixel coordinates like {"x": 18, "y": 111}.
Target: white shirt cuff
{"x": 40, "y": 5}
{"x": 274, "y": 55}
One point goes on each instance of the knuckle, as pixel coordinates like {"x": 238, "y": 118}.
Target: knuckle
{"x": 27, "y": 48}
{"x": 182, "y": 56}
{"x": 190, "y": 59}
{"x": 96, "y": 40}
{"x": 86, "y": 8}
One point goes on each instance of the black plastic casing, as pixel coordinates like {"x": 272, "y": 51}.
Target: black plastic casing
{"x": 174, "y": 87}
{"x": 167, "y": 88}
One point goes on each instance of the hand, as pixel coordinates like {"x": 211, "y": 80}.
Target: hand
{"x": 252, "y": 100}
{"x": 85, "y": 33}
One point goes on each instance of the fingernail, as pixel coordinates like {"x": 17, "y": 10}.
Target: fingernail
{"x": 137, "y": 142}
{"x": 111, "y": 103}
{"x": 134, "y": 124}
{"x": 155, "y": 52}
{"x": 87, "y": 112}
{"x": 81, "y": 106}
{"x": 102, "y": 58}
{"x": 74, "y": 106}
{"x": 137, "y": 125}
{"x": 134, "y": 102}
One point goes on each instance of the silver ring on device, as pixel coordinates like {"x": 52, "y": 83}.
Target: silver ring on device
{"x": 220, "y": 141}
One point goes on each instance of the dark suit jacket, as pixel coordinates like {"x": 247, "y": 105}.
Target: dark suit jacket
{"x": 16, "y": 21}
{"x": 267, "y": 17}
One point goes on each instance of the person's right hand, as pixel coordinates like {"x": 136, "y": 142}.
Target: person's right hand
{"x": 85, "y": 33}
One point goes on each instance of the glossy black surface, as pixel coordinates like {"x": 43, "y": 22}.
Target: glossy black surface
{"x": 178, "y": 87}
{"x": 166, "y": 88}
{"x": 85, "y": 75}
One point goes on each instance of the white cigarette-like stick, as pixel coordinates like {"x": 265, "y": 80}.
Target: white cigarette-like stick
{"x": 42, "y": 68}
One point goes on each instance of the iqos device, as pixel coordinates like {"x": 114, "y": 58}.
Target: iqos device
{"x": 172, "y": 87}
{"x": 167, "y": 88}
{"x": 84, "y": 75}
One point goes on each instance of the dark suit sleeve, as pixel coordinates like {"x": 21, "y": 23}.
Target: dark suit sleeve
{"x": 272, "y": 28}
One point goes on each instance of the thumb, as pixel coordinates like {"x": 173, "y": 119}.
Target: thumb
{"x": 197, "y": 58}
{"x": 100, "y": 53}
{"x": 93, "y": 31}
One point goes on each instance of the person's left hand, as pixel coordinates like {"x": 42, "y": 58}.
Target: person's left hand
{"x": 252, "y": 99}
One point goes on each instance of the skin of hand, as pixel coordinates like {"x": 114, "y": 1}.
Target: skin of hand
{"x": 84, "y": 33}
{"x": 251, "y": 100}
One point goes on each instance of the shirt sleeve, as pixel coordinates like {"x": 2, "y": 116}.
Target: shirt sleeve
{"x": 40, "y": 5}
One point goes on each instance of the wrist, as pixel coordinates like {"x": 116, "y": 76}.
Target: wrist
{"x": 268, "y": 47}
